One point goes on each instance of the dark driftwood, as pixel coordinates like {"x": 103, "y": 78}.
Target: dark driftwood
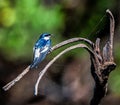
{"x": 102, "y": 65}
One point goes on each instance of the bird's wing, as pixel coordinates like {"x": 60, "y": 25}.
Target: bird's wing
{"x": 37, "y": 49}
{"x": 40, "y": 51}
{"x": 44, "y": 49}
{"x": 39, "y": 54}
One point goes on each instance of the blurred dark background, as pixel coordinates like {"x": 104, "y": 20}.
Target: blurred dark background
{"x": 68, "y": 81}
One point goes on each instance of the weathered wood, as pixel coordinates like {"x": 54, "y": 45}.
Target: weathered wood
{"x": 102, "y": 65}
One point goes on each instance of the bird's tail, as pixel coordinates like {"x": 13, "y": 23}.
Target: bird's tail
{"x": 32, "y": 66}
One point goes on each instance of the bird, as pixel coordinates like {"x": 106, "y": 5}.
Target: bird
{"x": 41, "y": 49}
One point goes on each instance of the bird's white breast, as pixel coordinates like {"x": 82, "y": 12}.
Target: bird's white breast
{"x": 37, "y": 52}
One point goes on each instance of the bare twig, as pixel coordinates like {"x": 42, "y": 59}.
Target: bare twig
{"x": 10, "y": 84}
{"x": 112, "y": 26}
{"x": 55, "y": 58}
{"x": 71, "y": 41}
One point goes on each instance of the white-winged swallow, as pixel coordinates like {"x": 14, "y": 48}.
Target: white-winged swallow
{"x": 41, "y": 49}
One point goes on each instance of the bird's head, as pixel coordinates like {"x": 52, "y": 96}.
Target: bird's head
{"x": 45, "y": 36}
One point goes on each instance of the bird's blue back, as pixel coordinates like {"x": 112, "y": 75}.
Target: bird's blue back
{"x": 41, "y": 43}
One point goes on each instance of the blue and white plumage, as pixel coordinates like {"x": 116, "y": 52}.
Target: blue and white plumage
{"x": 40, "y": 49}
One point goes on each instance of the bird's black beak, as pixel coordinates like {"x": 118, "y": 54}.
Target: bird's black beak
{"x": 51, "y": 35}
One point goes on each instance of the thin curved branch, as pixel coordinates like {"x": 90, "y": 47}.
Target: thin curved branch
{"x": 71, "y": 41}
{"x": 10, "y": 84}
{"x": 55, "y": 58}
